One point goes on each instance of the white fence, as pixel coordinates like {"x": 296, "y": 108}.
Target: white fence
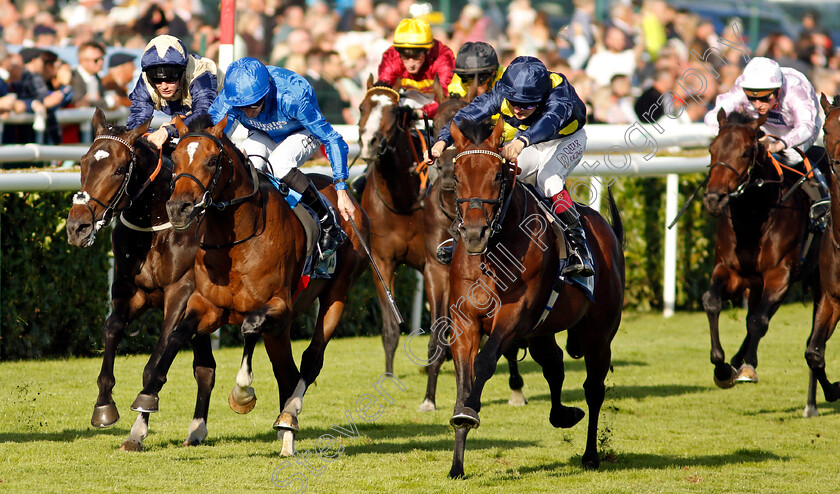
{"x": 622, "y": 151}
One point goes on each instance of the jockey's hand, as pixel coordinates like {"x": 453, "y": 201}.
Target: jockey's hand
{"x": 345, "y": 205}
{"x": 420, "y": 113}
{"x": 512, "y": 149}
{"x": 158, "y": 137}
{"x": 435, "y": 152}
{"x": 773, "y": 145}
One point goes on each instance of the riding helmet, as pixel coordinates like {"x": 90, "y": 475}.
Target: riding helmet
{"x": 762, "y": 73}
{"x": 413, "y": 33}
{"x": 526, "y": 80}
{"x": 246, "y": 82}
{"x": 164, "y": 57}
{"x": 476, "y": 58}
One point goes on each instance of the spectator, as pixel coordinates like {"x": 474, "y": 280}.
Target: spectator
{"x": 614, "y": 59}
{"x": 658, "y": 99}
{"x": 336, "y": 103}
{"x": 359, "y": 18}
{"x": 116, "y": 81}
{"x": 39, "y": 67}
{"x": 44, "y": 36}
{"x": 86, "y": 84}
{"x": 618, "y": 107}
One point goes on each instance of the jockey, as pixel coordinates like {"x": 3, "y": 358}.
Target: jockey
{"x": 174, "y": 82}
{"x": 793, "y": 116}
{"x": 475, "y": 59}
{"x": 415, "y": 59}
{"x": 285, "y": 127}
{"x": 544, "y": 121}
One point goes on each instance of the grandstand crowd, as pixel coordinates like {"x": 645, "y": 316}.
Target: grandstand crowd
{"x": 619, "y": 67}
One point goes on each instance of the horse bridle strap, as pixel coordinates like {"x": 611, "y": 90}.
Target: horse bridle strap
{"x": 477, "y": 203}
{"x": 83, "y": 198}
{"x": 478, "y": 151}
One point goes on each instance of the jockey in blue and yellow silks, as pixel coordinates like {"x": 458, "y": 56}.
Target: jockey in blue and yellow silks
{"x": 174, "y": 82}
{"x": 544, "y": 134}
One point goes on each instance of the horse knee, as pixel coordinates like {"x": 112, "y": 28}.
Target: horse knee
{"x": 253, "y": 322}
{"x": 814, "y": 357}
{"x": 757, "y": 324}
{"x": 711, "y": 302}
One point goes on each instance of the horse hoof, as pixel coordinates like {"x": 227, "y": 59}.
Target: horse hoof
{"x": 242, "y": 408}
{"x": 726, "y": 382}
{"x": 191, "y": 442}
{"x": 466, "y": 418}
{"x": 747, "y": 374}
{"x": 517, "y": 398}
{"x": 456, "y": 473}
{"x": 590, "y": 462}
{"x": 810, "y": 411}
{"x": 565, "y": 417}
{"x": 105, "y": 416}
{"x": 132, "y": 446}
{"x": 286, "y": 421}
{"x": 427, "y": 406}
{"x": 145, "y": 403}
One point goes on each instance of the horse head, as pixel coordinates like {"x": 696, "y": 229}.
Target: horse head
{"x": 200, "y": 175}
{"x": 831, "y": 127}
{"x": 481, "y": 182}
{"x": 733, "y": 152}
{"x": 107, "y": 170}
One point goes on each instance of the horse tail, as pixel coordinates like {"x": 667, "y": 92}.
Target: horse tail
{"x": 615, "y": 219}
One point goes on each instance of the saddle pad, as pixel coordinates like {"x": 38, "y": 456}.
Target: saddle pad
{"x": 310, "y": 226}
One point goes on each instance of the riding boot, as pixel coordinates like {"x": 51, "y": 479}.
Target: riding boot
{"x": 332, "y": 236}
{"x": 817, "y": 190}
{"x": 578, "y": 260}
{"x": 445, "y": 250}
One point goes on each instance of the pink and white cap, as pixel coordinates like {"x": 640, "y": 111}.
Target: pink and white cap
{"x": 762, "y": 74}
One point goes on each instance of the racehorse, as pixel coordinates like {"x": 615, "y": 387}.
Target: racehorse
{"x": 153, "y": 263}
{"x": 439, "y": 214}
{"x": 759, "y": 239}
{"x": 392, "y": 197}
{"x": 828, "y": 308}
{"x": 249, "y": 269}
{"x": 504, "y": 270}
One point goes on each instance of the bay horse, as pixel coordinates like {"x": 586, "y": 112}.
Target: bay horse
{"x": 758, "y": 241}
{"x": 439, "y": 211}
{"x": 249, "y": 267}
{"x": 827, "y": 310}
{"x": 153, "y": 263}
{"x": 503, "y": 272}
{"x": 392, "y": 198}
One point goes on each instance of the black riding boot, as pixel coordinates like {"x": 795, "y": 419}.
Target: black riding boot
{"x": 578, "y": 259}
{"x": 332, "y": 236}
{"x": 817, "y": 190}
{"x": 444, "y": 251}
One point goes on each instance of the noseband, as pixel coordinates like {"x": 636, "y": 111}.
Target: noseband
{"x": 743, "y": 178}
{"x": 83, "y": 198}
{"x": 495, "y": 224}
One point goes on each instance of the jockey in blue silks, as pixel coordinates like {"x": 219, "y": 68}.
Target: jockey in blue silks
{"x": 285, "y": 127}
{"x": 544, "y": 134}
{"x": 174, "y": 82}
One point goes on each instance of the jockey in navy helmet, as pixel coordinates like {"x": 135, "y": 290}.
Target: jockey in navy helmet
{"x": 285, "y": 127}
{"x": 544, "y": 134}
{"x": 174, "y": 82}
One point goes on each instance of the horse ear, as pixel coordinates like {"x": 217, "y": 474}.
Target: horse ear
{"x": 457, "y": 135}
{"x": 826, "y": 106}
{"x": 440, "y": 94}
{"x": 370, "y": 81}
{"x": 397, "y": 85}
{"x": 721, "y": 117}
{"x": 219, "y": 129}
{"x": 473, "y": 91}
{"x": 495, "y": 138}
{"x": 138, "y": 131}
{"x": 180, "y": 125}
{"x": 99, "y": 123}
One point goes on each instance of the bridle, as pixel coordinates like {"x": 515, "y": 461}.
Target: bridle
{"x": 495, "y": 224}
{"x": 83, "y": 198}
{"x": 744, "y": 183}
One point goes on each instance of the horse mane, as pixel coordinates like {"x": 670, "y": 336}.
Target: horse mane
{"x": 742, "y": 118}
{"x": 476, "y": 132}
{"x": 204, "y": 121}
{"x": 113, "y": 129}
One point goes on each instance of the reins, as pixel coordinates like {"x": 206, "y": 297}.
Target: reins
{"x": 504, "y": 198}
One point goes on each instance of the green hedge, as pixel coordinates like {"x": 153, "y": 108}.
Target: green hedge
{"x": 54, "y": 297}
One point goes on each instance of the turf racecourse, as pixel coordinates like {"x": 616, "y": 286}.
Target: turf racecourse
{"x": 664, "y": 428}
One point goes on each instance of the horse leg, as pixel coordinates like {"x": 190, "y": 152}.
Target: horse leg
{"x": 825, "y": 320}
{"x": 597, "y": 356}
{"x": 464, "y": 350}
{"x": 279, "y": 350}
{"x": 437, "y": 293}
{"x": 712, "y": 303}
{"x": 517, "y": 397}
{"x": 242, "y": 398}
{"x": 549, "y": 356}
{"x": 811, "y": 400}
{"x": 204, "y": 370}
{"x": 776, "y": 284}
{"x": 390, "y": 329}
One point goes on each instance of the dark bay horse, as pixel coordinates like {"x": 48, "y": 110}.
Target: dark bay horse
{"x": 439, "y": 213}
{"x": 248, "y": 268}
{"x": 153, "y": 263}
{"x": 759, "y": 240}
{"x": 392, "y": 198}
{"x": 828, "y": 306}
{"x": 502, "y": 275}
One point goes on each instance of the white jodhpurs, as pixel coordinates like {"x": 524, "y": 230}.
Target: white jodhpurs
{"x": 290, "y": 153}
{"x": 553, "y": 161}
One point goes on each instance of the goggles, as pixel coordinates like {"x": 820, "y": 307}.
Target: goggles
{"x": 523, "y": 106}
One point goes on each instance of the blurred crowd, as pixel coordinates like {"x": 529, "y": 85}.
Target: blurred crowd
{"x": 621, "y": 67}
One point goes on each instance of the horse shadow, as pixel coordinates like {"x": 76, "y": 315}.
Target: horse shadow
{"x": 618, "y": 392}
{"x": 64, "y": 436}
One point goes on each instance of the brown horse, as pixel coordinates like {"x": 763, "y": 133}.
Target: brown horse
{"x": 392, "y": 197}
{"x": 759, "y": 241}
{"x": 440, "y": 213}
{"x": 153, "y": 263}
{"x": 248, "y": 269}
{"x": 828, "y": 308}
{"x": 503, "y": 272}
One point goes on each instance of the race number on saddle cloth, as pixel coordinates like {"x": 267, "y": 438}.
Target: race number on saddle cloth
{"x": 285, "y": 127}
{"x": 413, "y": 62}
{"x": 544, "y": 121}
{"x": 174, "y": 82}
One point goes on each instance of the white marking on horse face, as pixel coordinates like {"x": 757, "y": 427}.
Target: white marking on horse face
{"x": 244, "y": 377}
{"x": 380, "y": 102}
{"x": 295, "y": 403}
{"x": 191, "y": 148}
{"x": 101, "y": 155}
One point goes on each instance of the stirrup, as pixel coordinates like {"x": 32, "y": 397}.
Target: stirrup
{"x": 577, "y": 265}
{"x": 818, "y": 214}
{"x": 445, "y": 250}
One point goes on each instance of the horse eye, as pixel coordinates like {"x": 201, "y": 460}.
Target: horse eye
{"x": 746, "y": 154}
{"x": 120, "y": 171}
{"x": 498, "y": 177}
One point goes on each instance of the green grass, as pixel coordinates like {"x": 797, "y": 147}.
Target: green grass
{"x": 665, "y": 427}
